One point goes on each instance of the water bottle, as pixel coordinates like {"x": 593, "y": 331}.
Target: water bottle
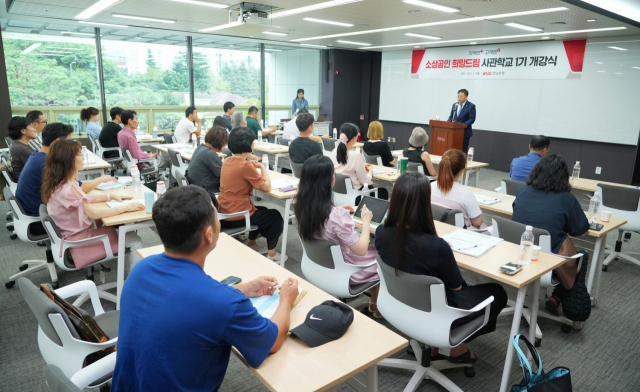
{"x": 576, "y": 172}
{"x": 259, "y": 136}
{"x": 594, "y": 206}
{"x": 397, "y": 165}
{"x": 357, "y": 150}
{"x": 85, "y": 155}
{"x": 154, "y": 133}
{"x": 526, "y": 246}
{"x": 135, "y": 178}
{"x": 160, "y": 188}
{"x": 335, "y": 133}
{"x": 470, "y": 155}
{"x": 265, "y": 161}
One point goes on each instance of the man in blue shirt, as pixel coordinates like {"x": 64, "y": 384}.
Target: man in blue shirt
{"x": 177, "y": 324}
{"x": 521, "y": 167}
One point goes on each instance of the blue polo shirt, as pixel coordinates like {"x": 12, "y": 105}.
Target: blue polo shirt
{"x": 28, "y": 192}
{"x": 177, "y": 326}
{"x": 521, "y": 167}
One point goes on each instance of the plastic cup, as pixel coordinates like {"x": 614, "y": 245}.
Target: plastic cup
{"x": 605, "y": 216}
{"x": 403, "y": 164}
{"x": 535, "y": 251}
{"x": 149, "y": 199}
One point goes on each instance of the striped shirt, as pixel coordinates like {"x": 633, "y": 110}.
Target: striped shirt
{"x": 36, "y": 144}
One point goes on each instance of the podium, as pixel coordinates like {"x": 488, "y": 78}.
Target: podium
{"x": 446, "y": 135}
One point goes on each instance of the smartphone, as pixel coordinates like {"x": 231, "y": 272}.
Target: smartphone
{"x": 596, "y": 226}
{"x": 231, "y": 280}
{"x": 288, "y": 189}
{"x": 511, "y": 268}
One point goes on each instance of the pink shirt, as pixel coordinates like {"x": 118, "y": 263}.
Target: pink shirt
{"x": 66, "y": 210}
{"x": 354, "y": 168}
{"x": 127, "y": 139}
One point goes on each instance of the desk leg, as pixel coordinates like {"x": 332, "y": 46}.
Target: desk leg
{"x": 285, "y": 231}
{"x": 515, "y": 327}
{"x": 533, "y": 308}
{"x": 595, "y": 269}
{"x": 598, "y": 279}
{"x": 466, "y": 178}
{"x": 367, "y": 380}
{"x": 477, "y": 179}
{"x": 122, "y": 232}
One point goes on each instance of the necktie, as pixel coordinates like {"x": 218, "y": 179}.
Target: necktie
{"x": 460, "y": 109}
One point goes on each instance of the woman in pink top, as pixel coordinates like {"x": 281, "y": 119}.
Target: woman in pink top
{"x": 71, "y": 209}
{"x": 351, "y": 163}
{"x": 318, "y": 218}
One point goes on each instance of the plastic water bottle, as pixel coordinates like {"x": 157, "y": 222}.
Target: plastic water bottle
{"x": 135, "y": 178}
{"x": 154, "y": 133}
{"x": 526, "y": 246}
{"x": 259, "y": 136}
{"x": 594, "y": 207}
{"x": 265, "y": 161}
{"x": 576, "y": 172}
{"x": 470, "y": 155}
{"x": 335, "y": 133}
{"x": 85, "y": 155}
{"x": 160, "y": 188}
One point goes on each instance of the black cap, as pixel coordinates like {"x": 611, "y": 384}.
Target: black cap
{"x": 325, "y": 323}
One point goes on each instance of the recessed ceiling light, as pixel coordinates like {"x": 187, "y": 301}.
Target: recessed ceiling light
{"x": 138, "y": 38}
{"x": 546, "y": 38}
{"x": 433, "y": 6}
{"x": 224, "y": 26}
{"x": 96, "y": 8}
{"x": 523, "y": 27}
{"x": 71, "y": 32}
{"x": 422, "y": 36}
{"x": 591, "y": 20}
{"x": 417, "y": 47}
{"x": 616, "y": 48}
{"x": 274, "y": 33}
{"x": 30, "y": 48}
{"x": 618, "y": 73}
{"x": 328, "y": 22}
{"x": 602, "y": 71}
{"x": 314, "y": 46}
{"x": 103, "y": 24}
{"x": 204, "y": 3}
{"x": 353, "y": 43}
{"x": 473, "y": 43}
{"x": 309, "y": 8}
{"x": 143, "y": 18}
{"x": 597, "y": 62}
{"x": 636, "y": 67}
{"x": 446, "y": 22}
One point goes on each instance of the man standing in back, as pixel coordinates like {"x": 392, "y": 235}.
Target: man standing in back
{"x": 464, "y": 112}
{"x": 521, "y": 167}
{"x": 39, "y": 121}
{"x": 229, "y": 109}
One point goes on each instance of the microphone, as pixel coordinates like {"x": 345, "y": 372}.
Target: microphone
{"x": 455, "y": 113}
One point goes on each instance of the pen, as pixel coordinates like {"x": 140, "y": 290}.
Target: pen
{"x": 470, "y": 247}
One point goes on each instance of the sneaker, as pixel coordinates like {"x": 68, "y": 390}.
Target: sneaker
{"x": 260, "y": 249}
{"x": 276, "y": 258}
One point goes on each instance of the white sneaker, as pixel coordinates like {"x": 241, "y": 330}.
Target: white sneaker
{"x": 260, "y": 249}
{"x": 277, "y": 257}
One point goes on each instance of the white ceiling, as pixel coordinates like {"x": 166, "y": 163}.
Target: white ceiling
{"x": 52, "y": 16}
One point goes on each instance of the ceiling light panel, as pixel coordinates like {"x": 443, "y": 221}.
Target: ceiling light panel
{"x": 274, "y": 33}
{"x": 71, "y": 32}
{"x": 328, "y": 22}
{"x": 616, "y": 48}
{"x": 423, "y": 36}
{"x": 433, "y": 6}
{"x": 314, "y": 7}
{"x": 96, "y": 9}
{"x": 202, "y": 3}
{"x": 159, "y": 20}
{"x": 103, "y": 24}
{"x": 523, "y": 27}
{"x": 353, "y": 43}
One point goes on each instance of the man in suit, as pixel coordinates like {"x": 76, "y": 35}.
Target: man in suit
{"x": 464, "y": 112}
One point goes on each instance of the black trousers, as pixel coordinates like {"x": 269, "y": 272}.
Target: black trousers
{"x": 382, "y": 194}
{"x": 470, "y": 296}
{"x": 269, "y": 222}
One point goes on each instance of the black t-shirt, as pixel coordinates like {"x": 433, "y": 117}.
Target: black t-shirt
{"x": 301, "y": 148}
{"x": 109, "y": 138}
{"x": 379, "y": 148}
{"x": 19, "y": 153}
{"x": 425, "y": 254}
{"x": 558, "y": 213}
{"x": 415, "y": 156}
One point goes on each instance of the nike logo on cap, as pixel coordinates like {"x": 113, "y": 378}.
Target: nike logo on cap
{"x": 314, "y": 318}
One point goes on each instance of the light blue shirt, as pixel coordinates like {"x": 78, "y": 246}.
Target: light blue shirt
{"x": 298, "y": 104}
{"x": 93, "y": 129}
{"x": 521, "y": 167}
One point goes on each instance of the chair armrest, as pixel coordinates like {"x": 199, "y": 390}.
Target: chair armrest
{"x": 481, "y": 305}
{"x": 366, "y": 192}
{"x": 89, "y": 374}
{"x": 363, "y": 266}
{"x": 104, "y": 238}
{"x": 82, "y": 287}
{"x": 246, "y": 215}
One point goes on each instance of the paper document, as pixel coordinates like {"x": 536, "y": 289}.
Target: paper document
{"x": 436, "y": 159}
{"x": 143, "y": 137}
{"x": 269, "y": 146}
{"x": 122, "y": 182}
{"x": 266, "y": 305}
{"x": 378, "y": 171}
{"x": 486, "y": 200}
{"x": 283, "y": 183}
{"x": 114, "y": 204}
{"x": 470, "y": 243}
{"x": 176, "y": 146}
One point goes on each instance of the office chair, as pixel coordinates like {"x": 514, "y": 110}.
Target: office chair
{"x": 323, "y": 265}
{"x": 59, "y": 342}
{"x": 372, "y": 159}
{"x": 178, "y": 165}
{"x": 181, "y": 180}
{"x": 58, "y": 382}
{"x": 296, "y": 168}
{"x": 13, "y": 186}
{"x": 9, "y": 141}
{"x": 150, "y": 169}
{"x": 417, "y": 306}
{"x": 448, "y": 216}
{"x": 285, "y": 142}
{"x": 169, "y": 138}
{"x": 329, "y": 144}
{"x": 623, "y": 203}
{"x": 510, "y": 187}
{"x": 115, "y": 161}
{"x": 344, "y": 194}
{"x": 93, "y": 139}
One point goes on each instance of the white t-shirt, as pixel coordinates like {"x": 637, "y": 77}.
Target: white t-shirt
{"x": 290, "y": 129}
{"x": 459, "y": 194}
{"x": 184, "y": 129}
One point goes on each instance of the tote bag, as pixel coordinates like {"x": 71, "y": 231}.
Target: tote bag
{"x": 557, "y": 380}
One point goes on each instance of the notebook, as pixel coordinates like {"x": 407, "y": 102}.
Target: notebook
{"x": 267, "y": 305}
{"x": 283, "y": 183}
{"x": 107, "y": 186}
{"x": 486, "y": 200}
{"x": 470, "y": 243}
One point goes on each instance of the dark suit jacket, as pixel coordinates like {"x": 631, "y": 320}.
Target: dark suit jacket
{"x": 467, "y": 116}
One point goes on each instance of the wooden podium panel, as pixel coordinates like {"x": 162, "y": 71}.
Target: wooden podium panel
{"x": 446, "y": 135}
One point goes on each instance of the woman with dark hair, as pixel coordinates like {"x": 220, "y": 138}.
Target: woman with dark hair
{"x": 415, "y": 153}
{"x": 72, "y": 210}
{"x": 408, "y": 241}
{"x": 90, "y": 116}
{"x": 448, "y": 193}
{"x": 205, "y": 165}
{"x": 546, "y": 202}
{"x": 299, "y": 102}
{"x": 318, "y": 218}
{"x": 238, "y": 178}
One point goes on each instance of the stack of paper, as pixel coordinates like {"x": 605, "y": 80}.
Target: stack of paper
{"x": 470, "y": 243}
{"x": 267, "y": 305}
{"x": 283, "y": 183}
{"x": 378, "y": 171}
{"x": 114, "y": 204}
{"x": 122, "y": 182}
{"x": 486, "y": 200}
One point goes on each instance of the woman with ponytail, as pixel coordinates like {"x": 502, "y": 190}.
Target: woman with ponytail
{"x": 447, "y": 192}
{"x": 90, "y": 116}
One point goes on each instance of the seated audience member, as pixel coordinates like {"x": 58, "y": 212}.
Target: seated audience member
{"x": 21, "y": 131}
{"x": 39, "y": 121}
{"x": 127, "y": 137}
{"x": 186, "y": 127}
{"x": 301, "y": 148}
{"x": 90, "y": 116}
{"x": 408, "y": 241}
{"x": 290, "y": 128}
{"x": 238, "y": 120}
{"x": 351, "y": 163}
{"x": 254, "y": 125}
{"x": 109, "y": 134}
{"x": 220, "y": 121}
{"x": 318, "y": 218}
{"x": 448, "y": 192}
{"x": 72, "y": 210}
{"x": 376, "y": 144}
{"x": 521, "y": 167}
{"x": 414, "y": 153}
{"x": 229, "y": 109}
{"x": 206, "y": 165}
{"x": 546, "y": 202}
{"x": 238, "y": 179}
{"x": 177, "y": 324}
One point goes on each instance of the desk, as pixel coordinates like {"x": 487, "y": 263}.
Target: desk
{"x": 130, "y": 221}
{"x": 505, "y": 207}
{"x": 488, "y": 265}
{"x": 296, "y": 367}
{"x": 276, "y": 150}
{"x": 185, "y": 151}
{"x": 99, "y": 166}
{"x": 472, "y": 167}
{"x": 585, "y": 184}
{"x": 148, "y": 142}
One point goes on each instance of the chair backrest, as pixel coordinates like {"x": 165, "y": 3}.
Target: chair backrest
{"x": 510, "y": 187}
{"x": 94, "y": 145}
{"x": 511, "y": 231}
{"x": 128, "y": 157}
{"x": 4, "y": 157}
{"x": 446, "y": 215}
{"x": 329, "y": 144}
{"x": 55, "y": 235}
{"x": 181, "y": 180}
{"x": 285, "y": 142}
{"x": 57, "y": 381}
{"x": 296, "y": 168}
{"x": 169, "y": 138}
{"x": 372, "y": 159}
{"x": 42, "y": 307}
{"x": 227, "y": 152}
{"x": 415, "y": 167}
{"x": 623, "y": 203}
{"x": 8, "y": 140}
{"x": 176, "y": 158}
{"x": 319, "y": 252}
{"x": 13, "y": 186}
{"x": 341, "y": 184}
{"x": 22, "y": 222}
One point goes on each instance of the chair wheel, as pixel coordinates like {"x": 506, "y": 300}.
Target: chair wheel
{"x": 10, "y": 227}
{"x": 55, "y": 285}
{"x": 538, "y": 342}
{"x": 13, "y": 236}
{"x": 23, "y": 267}
{"x": 9, "y": 218}
{"x": 565, "y": 328}
{"x": 469, "y": 372}
{"x": 605, "y": 268}
{"x": 10, "y": 284}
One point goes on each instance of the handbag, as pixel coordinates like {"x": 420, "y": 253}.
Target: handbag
{"x": 83, "y": 323}
{"x": 568, "y": 271}
{"x": 557, "y": 380}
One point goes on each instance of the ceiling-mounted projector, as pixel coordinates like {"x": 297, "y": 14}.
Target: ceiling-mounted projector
{"x": 252, "y": 13}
